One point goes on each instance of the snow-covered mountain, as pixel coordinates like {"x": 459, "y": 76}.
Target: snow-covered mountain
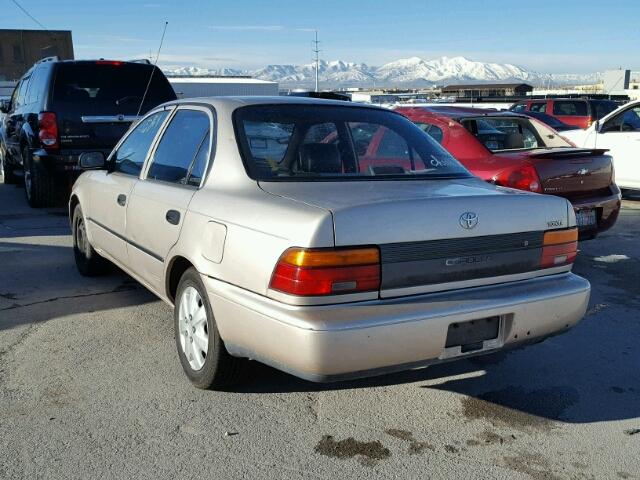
{"x": 407, "y": 72}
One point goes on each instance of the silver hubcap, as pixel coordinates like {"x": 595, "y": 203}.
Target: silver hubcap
{"x": 194, "y": 333}
{"x": 81, "y": 238}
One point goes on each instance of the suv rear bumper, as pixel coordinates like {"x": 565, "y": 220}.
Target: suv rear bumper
{"x": 338, "y": 342}
{"x": 63, "y": 161}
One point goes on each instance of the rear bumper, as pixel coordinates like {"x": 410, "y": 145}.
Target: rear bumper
{"x": 338, "y": 342}
{"x": 63, "y": 161}
{"x": 606, "y": 207}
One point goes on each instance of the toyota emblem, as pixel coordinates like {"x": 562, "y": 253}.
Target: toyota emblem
{"x": 468, "y": 220}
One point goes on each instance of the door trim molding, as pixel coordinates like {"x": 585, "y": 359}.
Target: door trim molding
{"x": 126, "y": 240}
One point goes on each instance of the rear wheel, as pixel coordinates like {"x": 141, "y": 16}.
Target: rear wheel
{"x": 39, "y": 186}
{"x": 202, "y": 353}
{"x": 88, "y": 262}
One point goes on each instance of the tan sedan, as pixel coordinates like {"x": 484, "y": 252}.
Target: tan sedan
{"x": 277, "y": 238}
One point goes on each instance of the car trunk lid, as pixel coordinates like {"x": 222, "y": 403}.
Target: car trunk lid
{"x": 435, "y": 234}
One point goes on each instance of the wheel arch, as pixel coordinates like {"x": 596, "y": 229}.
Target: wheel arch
{"x": 175, "y": 269}
{"x": 74, "y": 201}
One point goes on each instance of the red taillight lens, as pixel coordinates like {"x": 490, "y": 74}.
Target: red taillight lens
{"x": 308, "y": 272}
{"x": 560, "y": 247}
{"x": 524, "y": 178}
{"x": 115, "y": 63}
{"x": 48, "y": 130}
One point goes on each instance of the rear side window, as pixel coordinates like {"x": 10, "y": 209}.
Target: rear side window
{"x": 519, "y": 107}
{"x": 22, "y": 92}
{"x": 575, "y": 108}
{"x": 109, "y": 88}
{"x": 180, "y": 146}
{"x": 130, "y": 156}
{"x": 37, "y": 86}
{"x": 538, "y": 107}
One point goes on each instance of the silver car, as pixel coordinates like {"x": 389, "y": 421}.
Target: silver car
{"x": 327, "y": 239}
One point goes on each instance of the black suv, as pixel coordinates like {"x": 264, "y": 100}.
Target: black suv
{"x": 62, "y": 109}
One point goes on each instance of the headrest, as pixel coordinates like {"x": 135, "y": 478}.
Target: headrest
{"x": 513, "y": 140}
{"x": 320, "y": 158}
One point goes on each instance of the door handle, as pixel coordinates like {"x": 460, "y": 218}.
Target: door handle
{"x": 122, "y": 200}
{"x": 173, "y": 217}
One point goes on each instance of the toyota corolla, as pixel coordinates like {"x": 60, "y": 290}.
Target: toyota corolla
{"x": 276, "y": 235}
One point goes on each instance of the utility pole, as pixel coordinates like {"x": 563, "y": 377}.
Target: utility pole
{"x": 316, "y": 50}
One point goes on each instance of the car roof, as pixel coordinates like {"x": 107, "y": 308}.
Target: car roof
{"x": 234, "y": 102}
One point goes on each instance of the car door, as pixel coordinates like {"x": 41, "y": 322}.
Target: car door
{"x": 621, "y": 135}
{"x": 14, "y": 120}
{"x": 110, "y": 191}
{"x": 159, "y": 201}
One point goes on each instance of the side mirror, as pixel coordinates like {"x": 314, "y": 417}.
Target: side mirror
{"x": 596, "y": 126}
{"x": 5, "y": 106}
{"x": 92, "y": 161}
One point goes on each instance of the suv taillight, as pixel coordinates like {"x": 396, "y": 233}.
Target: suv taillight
{"x": 48, "y": 130}
{"x": 523, "y": 178}
{"x": 327, "y": 271}
{"x": 560, "y": 247}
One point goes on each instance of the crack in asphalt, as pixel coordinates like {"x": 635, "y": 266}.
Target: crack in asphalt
{"x": 67, "y": 297}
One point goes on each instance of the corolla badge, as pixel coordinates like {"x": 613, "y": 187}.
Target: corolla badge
{"x": 468, "y": 220}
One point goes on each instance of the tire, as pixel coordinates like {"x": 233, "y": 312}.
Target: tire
{"x": 39, "y": 186}
{"x": 195, "y": 335}
{"x": 88, "y": 261}
{"x": 7, "y": 170}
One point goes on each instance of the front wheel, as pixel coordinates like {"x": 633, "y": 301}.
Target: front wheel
{"x": 88, "y": 262}
{"x": 202, "y": 353}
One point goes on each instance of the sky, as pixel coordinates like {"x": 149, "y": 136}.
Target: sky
{"x": 559, "y": 36}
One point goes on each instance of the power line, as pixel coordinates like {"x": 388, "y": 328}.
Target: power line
{"x": 29, "y": 15}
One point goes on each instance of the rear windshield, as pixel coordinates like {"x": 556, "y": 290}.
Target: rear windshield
{"x": 109, "y": 89}
{"x": 602, "y": 108}
{"x": 513, "y": 133}
{"x": 316, "y": 142}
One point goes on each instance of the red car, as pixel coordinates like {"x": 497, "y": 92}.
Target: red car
{"x": 577, "y": 112}
{"x": 517, "y": 151}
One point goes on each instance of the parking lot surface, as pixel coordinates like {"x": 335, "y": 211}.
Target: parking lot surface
{"x": 91, "y": 386}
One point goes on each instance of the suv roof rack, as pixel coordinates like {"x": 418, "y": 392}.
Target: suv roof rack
{"x": 48, "y": 59}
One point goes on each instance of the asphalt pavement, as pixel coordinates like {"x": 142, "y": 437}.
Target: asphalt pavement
{"x": 91, "y": 387}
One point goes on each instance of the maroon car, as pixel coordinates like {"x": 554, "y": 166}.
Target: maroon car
{"x": 517, "y": 151}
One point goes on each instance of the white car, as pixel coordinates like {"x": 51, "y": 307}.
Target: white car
{"x": 619, "y": 132}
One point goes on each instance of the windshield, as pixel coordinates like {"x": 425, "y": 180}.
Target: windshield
{"x": 513, "y": 133}
{"x": 318, "y": 142}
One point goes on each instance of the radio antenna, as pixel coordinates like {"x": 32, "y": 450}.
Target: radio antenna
{"x": 153, "y": 70}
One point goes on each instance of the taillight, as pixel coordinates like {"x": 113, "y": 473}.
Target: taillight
{"x": 48, "y": 130}
{"x": 523, "y": 178}
{"x": 327, "y": 271}
{"x": 115, "y": 63}
{"x": 560, "y": 247}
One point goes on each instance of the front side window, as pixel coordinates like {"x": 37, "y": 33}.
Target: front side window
{"x": 181, "y": 145}
{"x": 626, "y": 121}
{"x": 131, "y": 154}
{"x": 571, "y": 108}
{"x": 601, "y": 109}
{"x": 313, "y": 142}
{"x": 504, "y": 133}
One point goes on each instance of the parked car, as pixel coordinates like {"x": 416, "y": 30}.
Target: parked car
{"x": 303, "y": 259}
{"x": 62, "y": 109}
{"x": 516, "y": 151}
{"x": 618, "y": 132}
{"x": 549, "y": 121}
{"x": 579, "y": 112}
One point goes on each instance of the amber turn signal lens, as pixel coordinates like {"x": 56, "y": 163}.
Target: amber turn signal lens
{"x": 301, "y": 257}
{"x": 556, "y": 237}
